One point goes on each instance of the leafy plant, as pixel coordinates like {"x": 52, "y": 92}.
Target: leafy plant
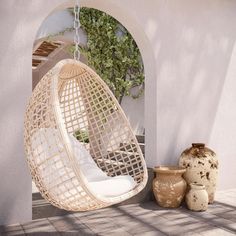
{"x": 112, "y": 52}
{"x": 82, "y": 136}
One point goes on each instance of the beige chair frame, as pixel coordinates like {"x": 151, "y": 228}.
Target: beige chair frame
{"x": 72, "y": 98}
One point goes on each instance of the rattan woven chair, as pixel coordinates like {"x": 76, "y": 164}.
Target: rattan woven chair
{"x": 72, "y": 100}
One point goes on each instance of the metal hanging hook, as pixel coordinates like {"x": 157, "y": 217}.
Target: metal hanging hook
{"x": 76, "y": 27}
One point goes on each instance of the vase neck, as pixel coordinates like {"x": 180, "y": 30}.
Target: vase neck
{"x": 171, "y": 170}
{"x": 198, "y": 145}
{"x": 197, "y": 186}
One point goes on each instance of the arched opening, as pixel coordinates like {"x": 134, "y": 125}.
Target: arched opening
{"x": 129, "y": 21}
{"x": 141, "y": 41}
{"x": 105, "y": 45}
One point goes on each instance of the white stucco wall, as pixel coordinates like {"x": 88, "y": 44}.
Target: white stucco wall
{"x": 55, "y": 23}
{"x": 188, "y": 49}
{"x": 134, "y": 110}
{"x": 194, "y": 45}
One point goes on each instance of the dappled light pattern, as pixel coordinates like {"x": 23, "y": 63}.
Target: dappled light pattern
{"x": 139, "y": 219}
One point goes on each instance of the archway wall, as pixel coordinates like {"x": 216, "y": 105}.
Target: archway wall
{"x": 187, "y": 49}
{"x": 20, "y": 21}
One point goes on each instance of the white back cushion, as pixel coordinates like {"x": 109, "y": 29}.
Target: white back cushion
{"x": 87, "y": 165}
{"x": 46, "y": 142}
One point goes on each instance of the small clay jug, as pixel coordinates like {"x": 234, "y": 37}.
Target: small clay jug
{"x": 197, "y": 197}
{"x": 169, "y": 186}
{"x": 201, "y": 167}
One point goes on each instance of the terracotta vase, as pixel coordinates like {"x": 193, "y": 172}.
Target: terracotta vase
{"x": 201, "y": 167}
{"x": 197, "y": 198}
{"x": 169, "y": 186}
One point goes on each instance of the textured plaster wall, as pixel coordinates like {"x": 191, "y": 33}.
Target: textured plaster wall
{"x": 188, "y": 48}
{"x": 194, "y": 46}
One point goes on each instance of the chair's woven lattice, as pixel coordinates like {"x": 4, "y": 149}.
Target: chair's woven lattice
{"x": 73, "y": 99}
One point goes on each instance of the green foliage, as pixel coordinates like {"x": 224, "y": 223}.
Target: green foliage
{"x": 112, "y": 52}
{"x": 82, "y": 136}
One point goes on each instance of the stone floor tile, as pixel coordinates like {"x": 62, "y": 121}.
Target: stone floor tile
{"x": 176, "y": 216}
{"x": 100, "y": 225}
{"x": 224, "y": 223}
{"x": 13, "y": 233}
{"x": 185, "y": 229}
{"x": 180, "y": 226}
{"x": 161, "y": 224}
{"x": 215, "y": 209}
{"x": 11, "y": 230}
{"x": 189, "y": 234}
{"x": 230, "y": 215}
{"x": 138, "y": 227}
{"x": 70, "y": 224}
{"x": 78, "y": 233}
{"x": 151, "y": 233}
{"x": 144, "y": 218}
{"x": 135, "y": 211}
{"x": 217, "y": 232}
{"x": 139, "y": 219}
{"x": 14, "y": 228}
{"x": 43, "y": 209}
{"x": 41, "y": 226}
{"x": 115, "y": 232}
{"x": 201, "y": 216}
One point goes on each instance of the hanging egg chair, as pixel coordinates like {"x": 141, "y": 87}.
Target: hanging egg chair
{"x": 80, "y": 148}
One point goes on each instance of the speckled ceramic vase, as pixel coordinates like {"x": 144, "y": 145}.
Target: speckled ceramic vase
{"x": 169, "y": 186}
{"x": 197, "y": 198}
{"x": 201, "y": 167}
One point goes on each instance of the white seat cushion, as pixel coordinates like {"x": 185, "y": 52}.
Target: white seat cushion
{"x": 87, "y": 165}
{"x": 46, "y": 141}
{"x": 113, "y": 186}
{"x": 99, "y": 182}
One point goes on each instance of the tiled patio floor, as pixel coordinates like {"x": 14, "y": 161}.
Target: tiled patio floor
{"x": 138, "y": 219}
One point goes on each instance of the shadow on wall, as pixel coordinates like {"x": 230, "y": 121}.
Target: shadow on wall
{"x": 193, "y": 48}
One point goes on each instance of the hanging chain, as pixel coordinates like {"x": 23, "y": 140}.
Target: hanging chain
{"x": 76, "y": 27}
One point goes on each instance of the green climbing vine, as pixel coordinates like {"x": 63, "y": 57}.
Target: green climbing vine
{"x": 112, "y": 52}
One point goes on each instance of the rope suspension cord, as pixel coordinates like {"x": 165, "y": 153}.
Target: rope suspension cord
{"x": 76, "y": 27}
